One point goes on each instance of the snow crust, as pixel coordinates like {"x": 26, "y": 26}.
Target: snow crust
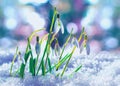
{"x": 102, "y": 69}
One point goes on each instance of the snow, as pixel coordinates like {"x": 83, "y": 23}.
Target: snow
{"x": 102, "y": 69}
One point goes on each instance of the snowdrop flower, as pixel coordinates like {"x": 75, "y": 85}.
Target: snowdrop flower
{"x": 37, "y": 46}
{"x": 75, "y": 42}
{"x": 57, "y": 49}
{"x": 58, "y": 25}
{"x": 85, "y": 45}
{"x": 20, "y": 59}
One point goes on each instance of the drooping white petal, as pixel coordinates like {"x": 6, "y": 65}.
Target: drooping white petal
{"x": 62, "y": 27}
{"x": 57, "y": 49}
{"x": 57, "y": 26}
{"x": 23, "y": 61}
{"x": 81, "y": 41}
{"x": 81, "y": 48}
{"x": 20, "y": 60}
{"x": 37, "y": 48}
{"x": 87, "y": 49}
{"x": 75, "y": 42}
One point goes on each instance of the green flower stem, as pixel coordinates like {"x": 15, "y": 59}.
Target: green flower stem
{"x": 77, "y": 69}
{"x": 53, "y": 19}
{"x": 34, "y": 33}
{"x": 36, "y": 60}
{"x": 13, "y": 60}
{"x": 45, "y": 36}
{"x": 49, "y": 64}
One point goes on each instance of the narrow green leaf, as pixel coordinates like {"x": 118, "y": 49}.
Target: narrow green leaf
{"x": 62, "y": 61}
{"x": 13, "y": 60}
{"x": 26, "y": 56}
{"x": 22, "y": 69}
{"x": 43, "y": 68}
{"x": 49, "y": 64}
{"x": 77, "y": 69}
{"x": 34, "y": 66}
{"x": 34, "y": 33}
{"x": 31, "y": 66}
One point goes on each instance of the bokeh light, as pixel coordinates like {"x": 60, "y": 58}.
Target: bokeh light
{"x": 101, "y": 19}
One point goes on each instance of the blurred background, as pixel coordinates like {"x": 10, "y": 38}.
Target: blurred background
{"x": 101, "y": 19}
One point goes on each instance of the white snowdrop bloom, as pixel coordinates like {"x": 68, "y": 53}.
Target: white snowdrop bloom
{"x": 20, "y": 59}
{"x": 75, "y": 42}
{"x": 57, "y": 49}
{"x": 37, "y": 46}
{"x": 85, "y": 45}
{"x": 58, "y": 25}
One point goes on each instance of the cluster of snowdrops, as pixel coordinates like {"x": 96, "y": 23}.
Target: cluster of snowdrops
{"x": 44, "y": 65}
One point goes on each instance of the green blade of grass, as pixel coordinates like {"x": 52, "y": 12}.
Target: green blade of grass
{"x": 36, "y": 62}
{"x": 77, "y": 69}
{"x": 13, "y": 60}
{"x": 43, "y": 68}
{"x": 34, "y": 33}
{"x": 49, "y": 64}
{"x": 22, "y": 69}
{"x": 32, "y": 66}
{"x": 62, "y": 61}
{"x": 26, "y": 56}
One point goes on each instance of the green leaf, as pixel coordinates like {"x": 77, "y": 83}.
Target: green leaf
{"x": 34, "y": 33}
{"x": 13, "y": 60}
{"x": 32, "y": 66}
{"x": 26, "y": 56}
{"x": 62, "y": 61}
{"x": 43, "y": 68}
{"x": 77, "y": 69}
{"x": 22, "y": 69}
{"x": 49, "y": 64}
